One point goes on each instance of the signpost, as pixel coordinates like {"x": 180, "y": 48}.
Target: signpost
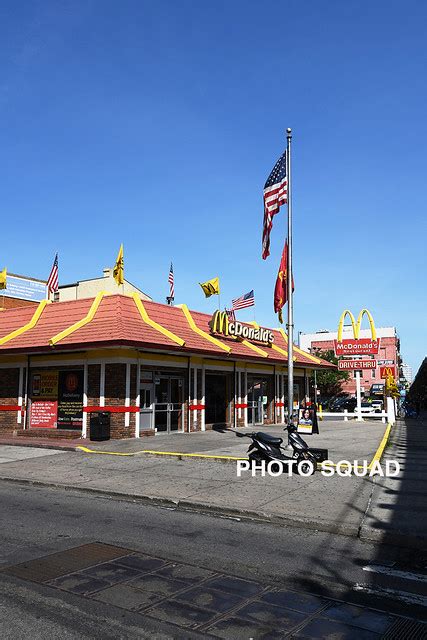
{"x": 356, "y": 365}
{"x": 355, "y": 347}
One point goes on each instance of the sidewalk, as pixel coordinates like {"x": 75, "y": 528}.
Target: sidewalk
{"x": 336, "y": 504}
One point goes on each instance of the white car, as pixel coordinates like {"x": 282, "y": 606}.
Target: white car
{"x": 365, "y": 408}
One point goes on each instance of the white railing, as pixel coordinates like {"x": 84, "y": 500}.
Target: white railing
{"x": 354, "y": 415}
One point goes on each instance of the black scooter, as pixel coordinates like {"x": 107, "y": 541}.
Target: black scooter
{"x": 265, "y": 447}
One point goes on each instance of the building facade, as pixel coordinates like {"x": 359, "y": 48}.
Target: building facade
{"x": 22, "y": 291}
{"x": 388, "y": 355}
{"x": 88, "y": 288}
{"x": 153, "y": 367}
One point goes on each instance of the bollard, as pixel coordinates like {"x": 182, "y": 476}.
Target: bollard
{"x": 345, "y": 417}
{"x": 320, "y": 416}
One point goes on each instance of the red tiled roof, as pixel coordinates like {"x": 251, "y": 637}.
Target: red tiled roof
{"x": 118, "y": 322}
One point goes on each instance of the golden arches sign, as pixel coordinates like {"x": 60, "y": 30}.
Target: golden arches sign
{"x": 356, "y": 325}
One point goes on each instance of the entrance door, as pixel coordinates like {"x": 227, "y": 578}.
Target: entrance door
{"x": 146, "y": 408}
{"x": 168, "y": 407}
{"x": 257, "y": 392}
{"x": 216, "y": 398}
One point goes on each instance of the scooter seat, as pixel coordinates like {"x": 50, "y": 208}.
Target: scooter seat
{"x": 268, "y": 439}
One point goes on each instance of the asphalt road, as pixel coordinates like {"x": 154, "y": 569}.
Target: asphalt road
{"x": 39, "y": 521}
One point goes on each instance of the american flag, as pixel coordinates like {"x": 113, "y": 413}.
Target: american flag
{"x": 52, "y": 281}
{"x": 171, "y": 282}
{"x": 275, "y": 194}
{"x": 247, "y": 300}
{"x": 231, "y": 315}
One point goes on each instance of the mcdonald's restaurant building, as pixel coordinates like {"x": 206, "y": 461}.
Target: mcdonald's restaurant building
{"x": 155, "y": 368}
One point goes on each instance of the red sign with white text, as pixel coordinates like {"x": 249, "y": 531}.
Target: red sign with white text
{"x": 354, "y": 365}
{"x": 44, "y": 414}
{"x": 385, "y": 372}
{"x": 360, "y": 347}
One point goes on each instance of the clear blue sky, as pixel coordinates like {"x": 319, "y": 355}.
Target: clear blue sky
{"x": 156, "y": 124}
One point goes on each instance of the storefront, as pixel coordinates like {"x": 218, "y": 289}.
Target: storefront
{"x": 154, "y": 368}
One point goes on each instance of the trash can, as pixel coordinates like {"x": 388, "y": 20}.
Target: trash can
{"x": 100, "y": 425}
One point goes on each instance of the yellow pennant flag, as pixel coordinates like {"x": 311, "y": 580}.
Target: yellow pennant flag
{"x": 119, "y": 268}
{"x": 210, "y": 287}
{"x": 3, "y": 279}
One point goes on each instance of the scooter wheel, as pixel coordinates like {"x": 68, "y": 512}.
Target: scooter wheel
{"x": 306, "y": 466}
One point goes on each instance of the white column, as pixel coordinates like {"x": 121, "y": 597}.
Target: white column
{"x": 239, "y": 391}
{"x": 84, "y": 422}
{"x": 358, "y": 397}
{"x": 203, "y": 399}
{"x": 245, "y": 392}
{"x": 20, "y": 385}
{"x": 195, "y": 397}
{"x": 102, "y": 385}
{"x": 282, "y": 397}
{"x": 138, "y": 399}
{"x": 127, "y": 398}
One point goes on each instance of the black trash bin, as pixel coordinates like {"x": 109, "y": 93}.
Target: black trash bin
{"x": 100, "y": 425}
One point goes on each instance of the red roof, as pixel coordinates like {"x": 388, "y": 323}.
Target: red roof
{"x": 118, "y": 322}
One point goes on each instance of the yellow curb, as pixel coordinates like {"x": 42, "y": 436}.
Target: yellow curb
{"x": 379, "y": 452}
{"x": 178, "y": 454}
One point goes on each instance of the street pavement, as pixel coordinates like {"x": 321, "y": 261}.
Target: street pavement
{"x": 129, "y": 570}
{"x": 207, "y": 499}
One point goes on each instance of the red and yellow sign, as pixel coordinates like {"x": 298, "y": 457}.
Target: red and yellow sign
{"x": 356, "y": 346}
{"x": 387, "y": 372}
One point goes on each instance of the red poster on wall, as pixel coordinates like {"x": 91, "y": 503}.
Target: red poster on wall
{"x": 43, "y": 414}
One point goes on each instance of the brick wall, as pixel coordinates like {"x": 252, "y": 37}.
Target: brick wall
{"x": 9, "y": 389}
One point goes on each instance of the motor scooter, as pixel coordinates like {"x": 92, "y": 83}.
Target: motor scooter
{"x": 267, "y": 448}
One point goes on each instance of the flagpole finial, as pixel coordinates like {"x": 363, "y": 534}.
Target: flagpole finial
{"x": 289, "y": 132}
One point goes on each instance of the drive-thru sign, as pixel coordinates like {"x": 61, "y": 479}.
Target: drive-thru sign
{"x": 355, "y": 365}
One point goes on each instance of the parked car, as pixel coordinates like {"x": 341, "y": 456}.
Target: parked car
{"x": 378, "y": 405}
{"x": 365, "y": 408}
{"x": 342, "y": 404}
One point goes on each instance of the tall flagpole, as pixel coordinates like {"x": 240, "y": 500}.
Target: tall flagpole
{"x": 290, "y": 324}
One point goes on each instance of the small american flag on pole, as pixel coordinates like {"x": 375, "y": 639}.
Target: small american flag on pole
{"x": 231, "y": 315}
{"x": 171, "y": 281}
{"x": 275, "y": 194}
{"x": 248, "y": 300}
{"x": 53, "y": 281}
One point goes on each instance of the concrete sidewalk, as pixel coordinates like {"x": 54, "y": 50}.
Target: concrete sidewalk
{"x": 348, "y": 505}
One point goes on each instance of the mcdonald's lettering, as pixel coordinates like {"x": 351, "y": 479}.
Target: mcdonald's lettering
{"x": 387, "y": 372}
{"x": 221, "y": 324}
{"x": 356, "y": 346}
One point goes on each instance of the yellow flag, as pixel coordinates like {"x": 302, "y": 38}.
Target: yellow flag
{"x": 119, "y": 268}
{"x": 3, "y": 279}
{"x": 210, "y": 287}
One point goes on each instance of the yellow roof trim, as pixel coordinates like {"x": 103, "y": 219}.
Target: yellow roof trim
{"x": 298, "y": 350}
{"x": 80, "y": 323}
{"x": 255, "y": 348}
{"x": 200, "y": 332}
{"x": 30, "y": 325}
{"x": 273, "y": 346}
{"x": 155, "y": 325}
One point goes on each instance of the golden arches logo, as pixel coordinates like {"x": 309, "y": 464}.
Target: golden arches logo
{"x": 356, "y": 324}
{"x": 219, "y": 323}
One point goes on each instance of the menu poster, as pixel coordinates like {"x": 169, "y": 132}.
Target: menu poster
{"x": 43, "y": 414}
{"x": 70, "y": 399}
{"x": 45, "y": 384}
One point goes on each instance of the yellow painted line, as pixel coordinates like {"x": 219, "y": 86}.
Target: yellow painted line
{"x": 155, "y": 325}
{"x": 30, "y": 325}
{"x": 160, "y": 453}
{"x": 377, "y": 456}
{"x": 199, "y": 331}
{"x": 379, "y": 452}
{"x": 80, "y": 323}
{"x": 105, "y": 453}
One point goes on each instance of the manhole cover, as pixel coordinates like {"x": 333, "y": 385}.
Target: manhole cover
{"x": 64, "y": 562}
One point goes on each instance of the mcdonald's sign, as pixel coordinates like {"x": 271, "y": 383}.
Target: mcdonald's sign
{"x": 387, "y": 372}
{"x": 356, "y": 346}
{"x": 220, "y": 323}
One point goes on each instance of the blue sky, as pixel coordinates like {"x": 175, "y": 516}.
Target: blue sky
{"x": 156, "y": 124}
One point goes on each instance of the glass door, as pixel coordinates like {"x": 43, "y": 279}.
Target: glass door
{"x": 169, "y": 396}
{"x": 256, "y": 397}
{"x": 146, "y": 406}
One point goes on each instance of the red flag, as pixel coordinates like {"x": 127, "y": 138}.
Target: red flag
{"x": 281, "y": 288}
